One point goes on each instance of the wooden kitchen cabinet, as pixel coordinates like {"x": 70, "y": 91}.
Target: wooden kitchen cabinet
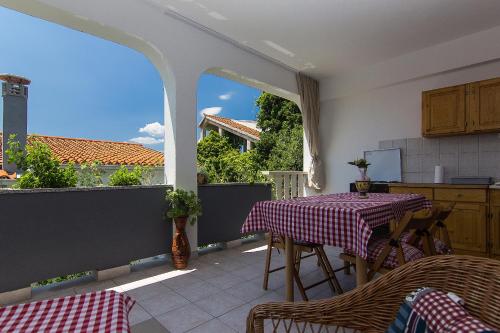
{"x": 469, "y": 108}
{"x": 470, "y": 221}
{"x": 495, "y": 223}
{"x": 426, "y": 192}
{"x": 467, "y": 228}
{"x": 484, "y": 105}
{"x": 443, "y": 111}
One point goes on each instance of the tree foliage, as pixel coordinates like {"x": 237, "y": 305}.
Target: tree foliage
{"x": 41, "y": 169}
{"x": 281, "y": 141}
{"x": 90, "y": 174}
{"x": 223, "y": 163}
{"x": 125, "y": 177}
{"x": 280, "y": 146}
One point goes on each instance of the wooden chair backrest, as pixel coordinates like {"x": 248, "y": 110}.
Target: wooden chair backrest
{"x": 440, "y": 225}
{"x": 408, "y": 223}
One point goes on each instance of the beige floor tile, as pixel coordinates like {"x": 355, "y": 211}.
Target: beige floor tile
{"x": 138, "y": 315}
{"x": 269, "y": 296}
{"x": 148, "y": 291}
{"x": 276, "y": 280}
{"x": 206, "y": 271}
{"x": 218, "y": 304}
{"x": 236, "y": 319}
{"x": 249, "y": 272}
{"x": 225, "y": 281}
{"x": 247, "y": 291}
{"x": 198, "y": 291}
{"x": 214, "y": 325}
{"x": 182, "y": 281}
{"x": 184, "y": 318}
{"x": 163, "y": 303}
{"x": 149, "y": 326}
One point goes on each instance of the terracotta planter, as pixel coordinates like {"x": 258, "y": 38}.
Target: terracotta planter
{"x": 181, "y": 250}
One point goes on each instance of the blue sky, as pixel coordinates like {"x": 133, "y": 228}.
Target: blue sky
{"x": 84, "y": 86}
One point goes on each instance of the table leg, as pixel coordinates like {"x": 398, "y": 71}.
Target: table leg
{"x": 289, "y": 262}
{"x": 361, "y": 271}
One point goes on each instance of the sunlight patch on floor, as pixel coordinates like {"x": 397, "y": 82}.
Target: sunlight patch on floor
{"x": 150, "y": 280}
{"x": 257, "y": 249}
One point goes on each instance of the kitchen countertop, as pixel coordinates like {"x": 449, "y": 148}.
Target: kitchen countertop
{"x": 443, "y": 185}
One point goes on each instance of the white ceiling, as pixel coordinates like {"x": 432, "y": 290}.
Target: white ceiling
{"x": 325, "y": 37}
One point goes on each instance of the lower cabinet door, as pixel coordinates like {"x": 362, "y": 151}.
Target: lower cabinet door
{"x": 467, "y": 228}
{"x": 495, "y": 230}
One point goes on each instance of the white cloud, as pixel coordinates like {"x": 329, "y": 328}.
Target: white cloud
{"x": 212, "y": 110}
{"x": 226, "y": 96}
{"x": 146, "y": 140}
{"x": 156, "y": 130}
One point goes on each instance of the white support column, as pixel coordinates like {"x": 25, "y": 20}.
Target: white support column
{"x": 249, "y": 145}
{"x": 180, "y": 138}
{"x": 221, "y": 131}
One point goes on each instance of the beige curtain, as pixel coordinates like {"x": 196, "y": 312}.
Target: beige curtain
{"x": 309, "y": 98}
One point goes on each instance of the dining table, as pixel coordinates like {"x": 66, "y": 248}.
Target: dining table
{"x": 344, "y": 220}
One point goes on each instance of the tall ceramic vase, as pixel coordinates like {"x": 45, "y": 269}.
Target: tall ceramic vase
{"x": 181, "y": 250}
{"x": 363, "y": 184}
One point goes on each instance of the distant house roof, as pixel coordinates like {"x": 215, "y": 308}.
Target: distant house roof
{"x": 81, "y": 151}
{"x": 246, "y": 127}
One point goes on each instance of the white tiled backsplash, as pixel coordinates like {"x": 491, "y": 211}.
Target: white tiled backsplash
{"x": 468, "y": 155}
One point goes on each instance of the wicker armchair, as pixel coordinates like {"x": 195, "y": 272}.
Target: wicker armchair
{"x": 372, "y": 307}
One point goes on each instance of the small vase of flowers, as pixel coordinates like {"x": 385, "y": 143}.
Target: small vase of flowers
{"x": 362, "y": 184}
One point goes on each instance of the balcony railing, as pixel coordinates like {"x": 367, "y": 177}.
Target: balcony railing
{"x": 287, "y": 184}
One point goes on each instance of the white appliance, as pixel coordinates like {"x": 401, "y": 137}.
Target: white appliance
{"x": 385, "y": 165}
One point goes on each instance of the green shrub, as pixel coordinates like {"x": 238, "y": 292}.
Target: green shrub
{"x": 183, "y": 203}
{"x": 125, "y": 177}
{"x": 41, "y": 169}
{"x": 90, "y": 174}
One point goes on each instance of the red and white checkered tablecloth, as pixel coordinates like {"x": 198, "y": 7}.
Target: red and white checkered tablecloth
{"x": 102, "y": 311}
{"x": 342, "y": 220}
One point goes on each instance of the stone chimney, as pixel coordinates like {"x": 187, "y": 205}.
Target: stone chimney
{"x": 15, "y": 113}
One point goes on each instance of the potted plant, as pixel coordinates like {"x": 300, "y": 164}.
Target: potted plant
{"x": 184, "y": 206}
{"x": 362, "y": 184}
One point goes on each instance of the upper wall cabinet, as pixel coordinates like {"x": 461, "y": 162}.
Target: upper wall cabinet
{"x": 444, "y": 111}
{"x": 463, "y": 109}
{"x": 484, "y": 105}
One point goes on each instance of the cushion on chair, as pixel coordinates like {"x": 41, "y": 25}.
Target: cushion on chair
{"x": 430, "y": 310}
{"x": 375, "y": 247}
{"x": 439, "y": 245}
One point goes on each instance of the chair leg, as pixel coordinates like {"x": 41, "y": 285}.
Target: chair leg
{"x": 299, "y": 282}
{"x": 268, "y": 263}
{"x": 298, "y": 259}
{"x": 328, "y": 270}
{"x": 347, "y": 268}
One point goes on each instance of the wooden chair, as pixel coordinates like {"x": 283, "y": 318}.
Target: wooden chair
{"x": 373, "y": 306}
{"x": 302, "y": 250}
{"x": 439, "y": 229}
{"x": 387, "y": 253}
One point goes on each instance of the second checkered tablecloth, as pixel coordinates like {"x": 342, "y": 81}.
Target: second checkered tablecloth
{"x": 343, "y": 220}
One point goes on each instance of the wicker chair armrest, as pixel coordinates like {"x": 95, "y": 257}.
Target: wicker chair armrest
{"x": 350, "y": 310}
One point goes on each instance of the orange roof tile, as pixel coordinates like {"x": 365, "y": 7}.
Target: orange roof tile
{"x": 87, "y": 151}
{"x": 238, "y": 126}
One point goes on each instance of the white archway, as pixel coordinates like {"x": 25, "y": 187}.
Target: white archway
{"x": 180, "y": 52}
